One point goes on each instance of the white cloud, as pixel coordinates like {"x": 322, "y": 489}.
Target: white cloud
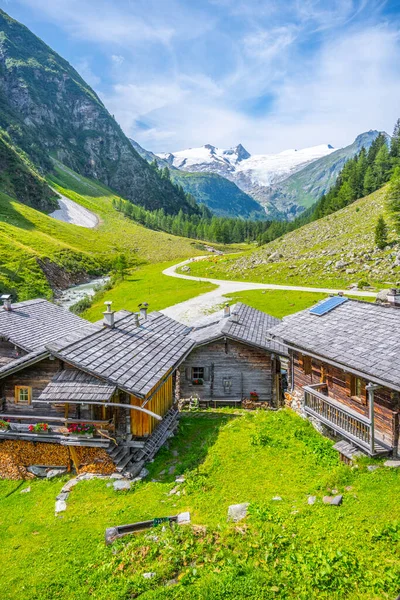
{"x": 117, "y": 59}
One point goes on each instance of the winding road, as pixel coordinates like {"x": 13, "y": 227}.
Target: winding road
{"x": 194, "y": 309}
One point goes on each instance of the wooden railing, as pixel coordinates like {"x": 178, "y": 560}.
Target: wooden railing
{"x": 345, "y": 421}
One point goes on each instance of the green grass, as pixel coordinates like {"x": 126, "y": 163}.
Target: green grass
{"x": 284, "y": 549}
{"x": 147, "y": 284}
{"x": 309, "y": 254}
{"x": 280, "y": 303}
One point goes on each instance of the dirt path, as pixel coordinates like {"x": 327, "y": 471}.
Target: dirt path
{"x": 191, "y": 310}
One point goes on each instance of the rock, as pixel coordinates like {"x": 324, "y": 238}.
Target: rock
{"x": 63, "y": 496}
{"x": 277, "y": 498}
{"x": 116, "y": 476}
{"x": 70, "y": 484}
{"x": 333, "y": 500}
{"x": 37, "y": 471}
{"x": 61, "y": 506}
{"x": 394, "y": 464}
{"x": 26, "y": 490}
{"x": 149, "y": 575}
{"x": 237, "y": 512}
{"x": 353, "y": 286}
{"x": 55, "y": 472}
{"x": 175, "y": 453}
{"x": 382, "y": 296}
{"x": 163, "y": 472}
{"x": 340, "y": 264}
{"x": 143, "y": 473}
{"x": 122, "y": 484}
{"x": 183, "y": 518}
{"x": 185, "y": 269}
{"x": 372, "y": 467}
{"x": 348, "y": 488}
{"x": 173, "y": 491}
{"x": 311, "y": 499}
{"x": 180, "y": 479}
{"x": 275, "y": 256}
{"x": 172, "y": 470}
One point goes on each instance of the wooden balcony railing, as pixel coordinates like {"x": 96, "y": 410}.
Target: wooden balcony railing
{"x": 351, "y": 425}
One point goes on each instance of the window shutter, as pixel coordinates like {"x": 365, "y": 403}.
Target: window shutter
{"x": 206, "y": 373}
{"x": 188, "y": 373}
{"x": 349, "y": 384}
{"x": 363, "y": 392}
{"x": 301, "y": 361}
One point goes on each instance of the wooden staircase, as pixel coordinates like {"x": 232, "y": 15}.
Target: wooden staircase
{"x": 131, "y": 455}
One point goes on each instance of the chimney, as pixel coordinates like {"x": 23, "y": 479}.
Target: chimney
{"x": 6, "y": 301}
{"x": 136, "y": 319}
{"x": 143, "y": 310}
{"x": 227, "y": 310}
{"x": 108, "y": 316}
{"x": 393, "y": 297}
{"x": 235, "y": 317}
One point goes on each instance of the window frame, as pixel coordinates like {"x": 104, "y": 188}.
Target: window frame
{"x": 199, "y": 370}
{"x": 23, "y": 388}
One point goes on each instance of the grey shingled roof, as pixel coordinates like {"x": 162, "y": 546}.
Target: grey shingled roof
{"x": 252, "y": 328}
{"x": 71, "y": 384}
{"x": 23, "y": 361}
{"x": 131, "y": 357}
{"x": 34, "y": 323}
{"x": 359, "y": 336}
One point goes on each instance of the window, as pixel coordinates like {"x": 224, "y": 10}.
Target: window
{"x": 197, "y": 372}
{"x": 23, "y": 394}
{"x": 356, "y": 388}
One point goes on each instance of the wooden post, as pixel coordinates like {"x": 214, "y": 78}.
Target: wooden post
{"x": 75, "y": 459}
{"x": 371, "y": 387}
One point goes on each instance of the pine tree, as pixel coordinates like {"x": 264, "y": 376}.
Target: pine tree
{"x": 381, "y": 233}
{"x": 393, "y": 198}
{"x": 369, "y": 181}
{"x": 382, "y": 166}
{"x": 395, "y": 141}
{"x": 120, "y": 265}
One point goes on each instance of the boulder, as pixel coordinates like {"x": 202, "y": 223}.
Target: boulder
{"x": 122, "y": 484}
{"x": 56, "y": 472}
{"x": 62, "y": 496}
{"x": 183, "y": 518}
{"x": 237, "y": 512}
{"x": 143, "y": 473}
{"x": 394, "y": 464}
{"x": 61, "y": 505}
{"x": 149, "y": 575}
{"x": 37, "y": 471}
{"x": 333, "y": 500}
{"x": 340, "y": 264}
{"x": 372, "y": 467}
{"x": 275, "y": 256}
{"x": 311, "y": 500}
{"x": 172, "y": 470}
{"x": 70, "y": 484}
{"x": 180, "y": 479}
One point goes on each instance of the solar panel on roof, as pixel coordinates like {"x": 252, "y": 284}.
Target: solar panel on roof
{"x": 327, "y": 305}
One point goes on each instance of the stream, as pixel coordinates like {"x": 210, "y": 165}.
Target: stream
{"x": 75, "y": 293}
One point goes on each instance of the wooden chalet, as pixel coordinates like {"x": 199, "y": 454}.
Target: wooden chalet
{"x": 233, "y": 358}
{"x": 118, "y": 374}
{"x": 345, "y": 371}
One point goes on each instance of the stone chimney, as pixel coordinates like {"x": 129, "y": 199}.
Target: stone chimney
{"x": 143, "y": 310}
{"x": 108, "y": 316}
{"x": 6, "y": 301}
{"x": 393, "y": 297}
{"x": 136, "y": 319}
{"x": 227, "y": 310}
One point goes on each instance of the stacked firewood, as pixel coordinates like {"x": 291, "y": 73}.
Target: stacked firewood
{"x": 10, "y": 469}
{"x": 95, "y": 460}
{"x": 254, "y": 404}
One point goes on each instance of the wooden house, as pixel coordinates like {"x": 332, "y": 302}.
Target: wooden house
{"x": 345, "y": 371}
{"x": 233, "y": 359}
{"x": 118, "y": 374}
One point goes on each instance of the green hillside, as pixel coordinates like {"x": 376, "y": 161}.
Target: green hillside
{"x": 32, "y": 243}
{"x": 338, "y": 250}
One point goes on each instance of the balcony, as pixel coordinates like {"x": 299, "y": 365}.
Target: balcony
{"x": 347, "y": 422}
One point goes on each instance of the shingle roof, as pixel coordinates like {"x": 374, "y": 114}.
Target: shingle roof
{"x": 133, "y": 358}
{"x": 71, "y": 384}
{"x": 23, "y": 361}
{"x": 361, "y": 336}
{"x": 33, "y": 323}
{"x": 252, "y": 328}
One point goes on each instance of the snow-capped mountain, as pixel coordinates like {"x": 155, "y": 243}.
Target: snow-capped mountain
{"x": 237, "y": 163}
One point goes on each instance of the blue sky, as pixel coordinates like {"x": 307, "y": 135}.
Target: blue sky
{"x": 271, "y": 74}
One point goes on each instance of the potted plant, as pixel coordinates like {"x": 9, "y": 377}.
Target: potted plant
{"x": 4, "y": 425}
{"x": 198, "y": 381}
{"x": 254, "y": 396}
{"x": 82, "y": 429}
{"x": 42, "y": 428}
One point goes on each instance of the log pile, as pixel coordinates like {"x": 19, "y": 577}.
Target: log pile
{"x": 254, "y": 404}
{"x": 16, "y": 455}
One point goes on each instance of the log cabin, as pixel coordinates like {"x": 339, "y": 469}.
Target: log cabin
{"x": 233, "y": 359}
{"x": 345, "y": 372}
{"x": 117, "y": 375}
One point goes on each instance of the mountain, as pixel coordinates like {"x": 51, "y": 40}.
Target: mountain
{"x": 336, "y": 251}
{"x": 253, "y": 174}
{"x": 223, "y": 197}
{"x": 302, "y": 189}
{"x": 48, "y": 110}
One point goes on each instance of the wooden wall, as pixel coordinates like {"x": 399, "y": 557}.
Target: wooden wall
{"x": 142, "y": 425}
{"x": 250, "y": 369}
{"x": 387, "y": 404}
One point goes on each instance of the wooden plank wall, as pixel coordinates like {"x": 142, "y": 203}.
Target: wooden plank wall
{"x": 386, "y": 402}
{"x": 250, "y": 369}
{"x": 142, "y": 425}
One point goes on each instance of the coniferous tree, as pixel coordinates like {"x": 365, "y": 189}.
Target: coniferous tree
{"x": 393, "y": 199}
{"x": 381, "y": 233}
{"x": 395, "y": 141}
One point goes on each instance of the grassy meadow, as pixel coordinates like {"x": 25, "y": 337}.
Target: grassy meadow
{"x": 283, "y": 549}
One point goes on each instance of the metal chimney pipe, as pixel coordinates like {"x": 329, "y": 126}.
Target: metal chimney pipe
{"x": 108, "y": 315}
{"x": 136, "y": 319}
{"x": 143, "y": 310}
{"x": 227, "y": 310}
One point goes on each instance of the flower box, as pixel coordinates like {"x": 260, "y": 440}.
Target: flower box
{"x": 4, "y": 425}
{"x": 254, "y": 396}
{"x": 83, "y": 430}
{"x": 40, "y": 429}
{"x": 197, "y": 381}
